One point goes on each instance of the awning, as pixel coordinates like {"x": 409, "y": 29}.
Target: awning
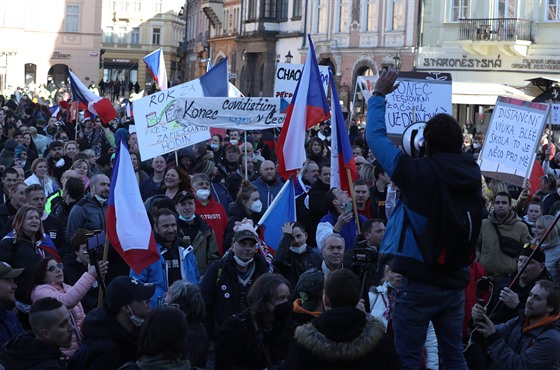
{"x": 480, "y": 93}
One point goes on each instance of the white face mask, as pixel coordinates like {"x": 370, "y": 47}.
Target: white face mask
{"x": 476, "y": 145}
{"x": 203, "y": 194}
{"x": 136, "y": 320}
{"x": 298, "y": 250}
{"x": 215, "y": 146}
{"x": 256, "y": 206}
{"x": 187, "y": 219}
{"x": 233, "y": 142}
{"x": 241, "y": 262}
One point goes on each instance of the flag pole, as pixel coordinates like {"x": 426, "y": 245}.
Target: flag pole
{"x": 354, "y": 207}
{"x": 275, "y": 201}
{"x": 354, "y": 99}
{"x": 102, "y": 278}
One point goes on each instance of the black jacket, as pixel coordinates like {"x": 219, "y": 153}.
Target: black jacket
{"x": 73, "y": 271}
{"x": 291, "y": 265}
{"x": 342, "y": 338}
{"x": 25, "y": 352}
{"x": 236, "y": 212}
{"x": 7, "y": 212}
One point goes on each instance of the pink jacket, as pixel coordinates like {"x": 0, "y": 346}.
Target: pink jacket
{"x": 70, "y": 297}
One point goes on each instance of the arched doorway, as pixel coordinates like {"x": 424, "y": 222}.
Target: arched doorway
{"x": 360, "y": 104}
{"x": 58, "y": 73}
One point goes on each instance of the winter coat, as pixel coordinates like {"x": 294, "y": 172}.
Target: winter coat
{"x": 418, "y": 181}
{"x": 49, "y": 186}
{"x": 25, "y": 352}
{"x": 157, "y": 272}
{"x": 348, "y": 231}
{"x": 157, "y": 362}
{"x": 215, "y": 216}
{"x": 70, "y": 297}
{"x": 552, "y": 261}
{"x": 205, "y": 246}
{"x": 73, "y": 271}
{"x": 237, "y": 212}
{"x": 267, "y": 192}
{"x": 10, "y": 326}
{"x": 489, "y": 253}
{"x": 342, "y": 338}
{"x": 222, "y": 292}
{"x": 86, "y": 214}
{"x": 291, "y": 265}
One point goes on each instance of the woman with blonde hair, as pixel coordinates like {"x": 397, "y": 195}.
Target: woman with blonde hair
{"x": 81, "y": 166}
{"x": 41, "y": 176}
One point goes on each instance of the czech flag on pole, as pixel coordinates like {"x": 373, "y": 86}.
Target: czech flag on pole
{"x": 309, "y": 107}
{"x": 156, "y": 65}
{"x": 282, "y": 210}
{"x": 343, "y": 166}
{"x": 128, "y": 227}
{"x": 97, "y": 105}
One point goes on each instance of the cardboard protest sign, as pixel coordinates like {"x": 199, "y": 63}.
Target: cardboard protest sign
{"x": 419, "y": 97}
{"x": 514, "y": 132}
{"x": 287, "y": 77}
{"x": 242, "y": 113}
{"x": 158, "y": 131}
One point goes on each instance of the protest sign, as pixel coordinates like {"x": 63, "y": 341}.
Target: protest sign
{"x": 419, "y": 97}
{"x": 366, "y": 85}
{"x": 158, "y": 131}
{"x": 241, "y": 113}
{"x": 287, "y": 77}
{"x": 555, "y": 114}
{"x": 515, "y": 130}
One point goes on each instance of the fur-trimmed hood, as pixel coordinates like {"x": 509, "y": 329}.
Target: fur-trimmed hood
{"x": 329, "y": 345}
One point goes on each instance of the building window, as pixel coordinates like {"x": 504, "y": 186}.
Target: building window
{"x": 395, "y": 15}
{"x": 270, "y": 9}
{"x": 371, "y": 16}
{"x": 459, "y": 10}
{"x": 124, "y": 5}
{"x": 121, "y": 37}
{"x": 297, "y": 8}
{"x": 72, "y": 23}
{"x": 135, "y": 36}
{"x": 108, "y": 35}
{"x": 252, "y": 10}
{"x": 156, "y": 35}
{"x": 283, "y": 11}
{"x": 344, "y": 16}
{"x": 321, "y": 21}
{"x": 137, "y": 6}
{"x": 507, "y": 8}
{"x": 553, "y": 10}
{"x": 158, "y": 6}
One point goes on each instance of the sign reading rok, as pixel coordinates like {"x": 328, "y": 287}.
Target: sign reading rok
{"x": 242, "y": 113}
{"x": 513, "y": 134}
{"x": 158, "y": 131}
{"x": 287, "y": 77}
{"x": 419, "y": 97}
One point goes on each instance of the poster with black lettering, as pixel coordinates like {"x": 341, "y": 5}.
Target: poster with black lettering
{"x": 287, "y": 77}
{"x": 419, "y": 97}
{"x": 158, "y": 131}
{"x": 555, "y": 114}
{"x": 511, "y": 142}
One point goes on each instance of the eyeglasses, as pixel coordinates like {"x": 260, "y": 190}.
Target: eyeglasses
{"x": 54, "y": 268}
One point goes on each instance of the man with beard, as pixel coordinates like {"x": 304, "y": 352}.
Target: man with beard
{"x": 152, "y": 186}
{"x": 10, "y": 324}
{"x": 55, "y": 161}
{"x": 268, "y": 184}
{"x": 176, "y": 259}
{"x": 8, "y": 210}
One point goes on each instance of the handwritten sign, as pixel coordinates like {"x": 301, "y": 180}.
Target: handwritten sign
{"x": 513, "y": 134}
{"x": 555, "y": 114}
{"x": 419, "y": 97}
{"x": 243, "y": 113}
{"x": 287, "y": 77}
{"x": 158, "y": 131}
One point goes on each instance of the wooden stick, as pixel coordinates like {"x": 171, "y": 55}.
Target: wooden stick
{"x": 354, "y": 207}
{"x": 102, "y": 278}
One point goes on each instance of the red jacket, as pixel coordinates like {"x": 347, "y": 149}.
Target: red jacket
{"x": 215, "y": 216}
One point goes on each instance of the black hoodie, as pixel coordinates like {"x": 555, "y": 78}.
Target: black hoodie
{"x": 25, "y": 352}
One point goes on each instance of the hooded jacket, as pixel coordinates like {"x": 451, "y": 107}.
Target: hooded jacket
{"x": 25, "y": 352}
{"x": 418, "y": 181}
{"x": 86, "y": 214}
{"x": 342, "y": 338}
{"x": 205, "y": 245}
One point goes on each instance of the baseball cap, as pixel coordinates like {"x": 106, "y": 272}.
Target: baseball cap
{"x": 7, "y": 272}
{"x": 55, "y": 144}
{"x": 310, "y": 288}
{"x": 124, "y": 289}
{"x": 245, "y": 234}
{"x": 182, "y": 195}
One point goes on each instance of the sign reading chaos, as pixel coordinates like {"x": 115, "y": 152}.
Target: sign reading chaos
{"x": 287, "y": 77}
{"x": 158, "y": 131}
{"x": 242, "y": 113}
{"x": 515, "y": 130}
{"x": 419, "y": 97}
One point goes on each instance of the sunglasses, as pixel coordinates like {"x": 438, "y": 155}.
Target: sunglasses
{"x": 54, "y": 268}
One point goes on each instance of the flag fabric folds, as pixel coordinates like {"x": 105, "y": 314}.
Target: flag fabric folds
{"x": 97, "y": 105}
{"x": 215, "y": 82}
{"x": 342, "y": 158}
{"x": 309, "y": 107}
{"x": 156, "y": 65}
{"x": 281, "y": 210}
{"x": 128, "y": 227}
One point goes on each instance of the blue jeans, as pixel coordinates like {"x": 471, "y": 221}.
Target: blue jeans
{"x": 416, "y": 304}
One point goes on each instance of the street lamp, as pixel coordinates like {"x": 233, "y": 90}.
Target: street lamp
{"x": 397, "y": 59}
{"x": 289, "y": 57}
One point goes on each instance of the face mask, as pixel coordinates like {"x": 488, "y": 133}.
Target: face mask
{"x": 186, "y": 219}
{"x": 100, "y": 199}
{"x": 242, "y": 263}
{"x": 233, "y": 142}
{"x": 298, "y": 250}
{"x": 59, "y": 163}
{"x": 215, "y": 146}
{"x": 256, "y": 206}
{"x": 136, "y": 321}
{"x": 203, "y": 194}
{"x": 282, "y": 311}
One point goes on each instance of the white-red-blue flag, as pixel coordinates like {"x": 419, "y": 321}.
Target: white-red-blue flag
{"x": 156, "y": 65}
{"x": 128, "y": 226}
{"x": 342, "y": 158}
{"x": 97, "y": 105}
{"x": 281, "y": 210}
{"x": 309, "y": 107}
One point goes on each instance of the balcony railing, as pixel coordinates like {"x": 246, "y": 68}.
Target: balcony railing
{"x": 495, "y": 29}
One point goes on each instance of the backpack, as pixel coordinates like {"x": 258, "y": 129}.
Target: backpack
{"x": 449, "y": 240}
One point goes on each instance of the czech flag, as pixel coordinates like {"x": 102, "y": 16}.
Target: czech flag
{"x": 97, "y": 105}
{"x": 343, "y": 166}
{"x": 156, "y": 65}
{"x": 281, "y": 210}
{"x": 128, "y": 226}
{"x": 309, "y": 107}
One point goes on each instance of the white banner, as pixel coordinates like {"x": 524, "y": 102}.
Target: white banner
{"x": 241, "y": 113}
{"x": 158, "y": 131}
{"x": 555, "y": 114}
{"x": 419, "y": 97}
{"x": 513, "y": 134}
{"x": 287, "y": 77}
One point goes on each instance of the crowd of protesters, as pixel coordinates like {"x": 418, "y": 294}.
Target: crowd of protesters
{"x": 222, "y": 297}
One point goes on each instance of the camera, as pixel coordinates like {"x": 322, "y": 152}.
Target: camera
{"x": 364, "y": 258}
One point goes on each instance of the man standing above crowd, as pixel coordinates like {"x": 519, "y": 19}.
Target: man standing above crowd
{"x": 442, "y": 287}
